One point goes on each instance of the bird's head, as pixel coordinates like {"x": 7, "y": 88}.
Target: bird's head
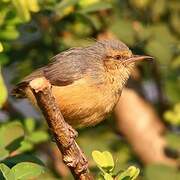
{"x": 117, "y": 51}
{"x": 117, "y": 58}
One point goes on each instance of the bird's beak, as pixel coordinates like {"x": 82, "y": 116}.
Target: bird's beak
{"x": 136, "y": 58}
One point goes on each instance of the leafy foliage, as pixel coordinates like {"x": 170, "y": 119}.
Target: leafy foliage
{"x": 4, "y": 93}
{"x": 173, "y": 116}
{"x": 19, "y": 140}
{"x": 105, "y": 162}
{"x": 32, "y": 31}
{"x": 24, "y": 170}
{"x": 14, "y": 144}
{"x": 10, "y": 141}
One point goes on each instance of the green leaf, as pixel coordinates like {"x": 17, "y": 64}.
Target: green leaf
{"x": 27, "y": 170}
{"x": 38, "y": 136}
{"x": 11, "y": 134}
{"x": 12, "y": 161}
{"x": 3, "y": 59}
{"x": 161, "y": 172}
{"x": 65, "y": 3}
{"x": 109, "y": 159}
{"x": 85, "y": 3}
{"x": 3, "y": 13}
{"x": 173, "y": 116}
{"x": 8, "y": 175}
{"x": 33, "y": 5}
{"x": 3, "y": 94}
{"x": 3, "y": 153}
{"x": 130, "y": 174}
{"x": 108, "y": 176}
{"x": 95, "y": 7}
{"x": 25, "y": 146}
{"x": 22, "y": 9}
{"x": 9, "y": 33}
{"x": 1, "y": 47}
{"x": 76, "y": 29}
{"x": 65, "y": 7}
{"x": 103, "y": 159}
{"x": 29, "y": 124}
{"x": 6, "y": 1}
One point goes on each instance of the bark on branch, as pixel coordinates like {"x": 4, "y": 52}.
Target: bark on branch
{"x": 64, "y": 134}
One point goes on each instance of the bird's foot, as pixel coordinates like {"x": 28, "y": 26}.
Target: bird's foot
{"x": 79, "y": 162}
{"x": 71, "y": 135}
{"x": 73, "y": 132}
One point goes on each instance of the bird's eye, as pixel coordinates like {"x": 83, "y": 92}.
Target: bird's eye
{"x": 118, "y": 57}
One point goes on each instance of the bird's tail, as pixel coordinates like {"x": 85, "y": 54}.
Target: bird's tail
{"x": 19, "y": 90}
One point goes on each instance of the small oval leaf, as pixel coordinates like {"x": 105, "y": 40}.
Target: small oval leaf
{"x": 130, "y": 174}
{"x": 27, "y": 170}
{"x": 103, "y": 159}
{"x": 11, "y": 140}
{"x": 3, "y": 153}
{"x": 3, "y": 94}
{"x": 1, "y": 47}
{"x": 6, "y": 171}
{"x": 108, "y": 176}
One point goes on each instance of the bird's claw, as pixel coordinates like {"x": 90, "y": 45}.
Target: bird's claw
{"x": 79, "y": 161}
{"x": 73, "y": 132}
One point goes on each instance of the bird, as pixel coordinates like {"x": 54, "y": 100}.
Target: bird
{"x": 86, "y": 81}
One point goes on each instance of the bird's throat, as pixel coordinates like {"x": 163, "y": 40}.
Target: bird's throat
{"x": 118, "y": 77}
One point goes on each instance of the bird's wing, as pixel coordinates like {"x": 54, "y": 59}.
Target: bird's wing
{"x": 64, "y": 69}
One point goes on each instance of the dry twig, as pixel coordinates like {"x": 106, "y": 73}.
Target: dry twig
{"x": 64, "y": 134}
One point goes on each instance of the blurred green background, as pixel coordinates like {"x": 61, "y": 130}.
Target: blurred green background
{"x": 32, "y": 31}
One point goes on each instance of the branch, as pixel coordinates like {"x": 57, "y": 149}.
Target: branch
{"x": 64, "y": 134}
{"x": 143, "y": 129}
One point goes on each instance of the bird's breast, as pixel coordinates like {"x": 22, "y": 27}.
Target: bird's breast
{"x": 83, "y": 103}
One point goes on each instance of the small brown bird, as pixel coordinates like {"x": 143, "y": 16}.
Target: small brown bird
{"x": 86, "y": 82}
